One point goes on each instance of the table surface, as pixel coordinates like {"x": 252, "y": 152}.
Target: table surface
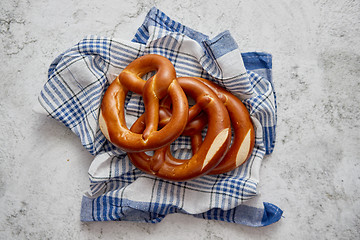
{"x": 313, "y": 174}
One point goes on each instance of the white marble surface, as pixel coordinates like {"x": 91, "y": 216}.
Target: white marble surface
{"x": 313, "y": 174}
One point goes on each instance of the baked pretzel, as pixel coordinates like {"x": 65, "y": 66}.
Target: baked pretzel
{"x": 244, "y": 139}
{"x": 112, "y": 115}
{"x": 244, "y": 135}
{"x": 209, "y": 153}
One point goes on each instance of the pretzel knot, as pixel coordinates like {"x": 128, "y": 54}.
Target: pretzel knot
{"x": 112, "y": 114}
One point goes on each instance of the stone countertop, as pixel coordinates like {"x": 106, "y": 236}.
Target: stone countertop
{"x": 313, "y": 174}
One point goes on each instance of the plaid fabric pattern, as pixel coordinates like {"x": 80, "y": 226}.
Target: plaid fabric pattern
{"x": 79, "y": 77}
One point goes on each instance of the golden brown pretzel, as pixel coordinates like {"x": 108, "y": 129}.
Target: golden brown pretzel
{"x": 244, "y": 135}
{"x": 209, "y": 154}
{"x": 112, "y": 115}
{"x": 243, "y": 142}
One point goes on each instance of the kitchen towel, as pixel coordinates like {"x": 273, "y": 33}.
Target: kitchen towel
{"x": 77, "y": 80}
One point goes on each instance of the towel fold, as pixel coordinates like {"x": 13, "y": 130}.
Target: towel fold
{"x": 77, "y": 80}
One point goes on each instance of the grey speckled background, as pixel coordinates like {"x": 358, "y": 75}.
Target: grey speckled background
{"x": 313, "y": 174}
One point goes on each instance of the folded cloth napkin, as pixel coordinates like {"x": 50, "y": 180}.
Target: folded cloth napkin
{"x": 77, "y": 80}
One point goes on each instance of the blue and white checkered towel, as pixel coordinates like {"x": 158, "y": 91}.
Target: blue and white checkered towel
{"x": 77, "y": 80}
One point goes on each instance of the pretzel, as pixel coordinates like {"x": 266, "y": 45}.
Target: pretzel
{"x": 244, "y": 138}
{"x": 112, "y": 114}
{"x": 243, "y": 142}
{"x": 210, "y": 152}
